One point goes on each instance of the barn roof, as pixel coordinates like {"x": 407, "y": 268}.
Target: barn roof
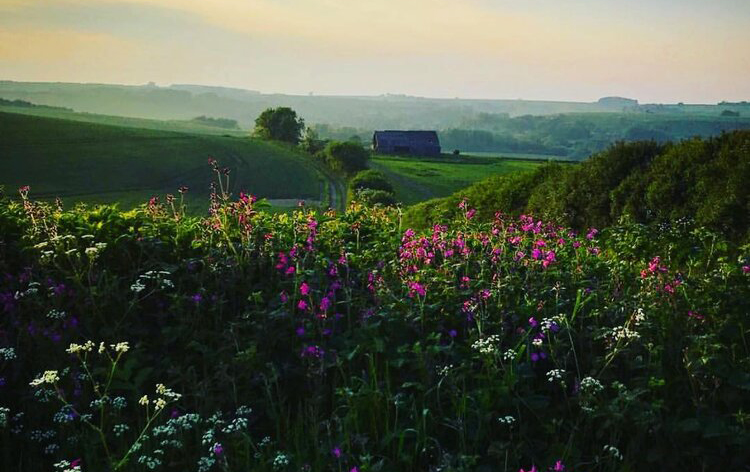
{"x": 420, "y": 135}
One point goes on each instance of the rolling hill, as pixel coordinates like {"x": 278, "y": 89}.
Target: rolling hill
{"x": 99, "y": 163}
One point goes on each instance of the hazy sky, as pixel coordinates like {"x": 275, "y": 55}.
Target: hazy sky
{"x": 652, "y": 50}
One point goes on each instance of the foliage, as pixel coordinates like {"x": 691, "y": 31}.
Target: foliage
{"x": 326, "y": 341}
{"x": 705, "y": 180}
{"x": 280, "y": 124}
{"x": 371, "y": 179}
{"x": 347, "y": 157}
{"x": 375, "y": 197}
{"x": 311, "y": 143}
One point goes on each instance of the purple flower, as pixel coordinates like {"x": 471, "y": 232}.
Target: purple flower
{"x": 196, "y": 298}
{"x": 533, "y": 322}
{"x": 325, "y": 304}
{"x": 302, "y": 305}
{"x": 218, "y": 449}
{"x": 336, "y": 451}
{"x": 453, "y": 333}
{"x": 304, "y": 289}
{"x": 300, "y": 331}
{"x": 284, "y": 297}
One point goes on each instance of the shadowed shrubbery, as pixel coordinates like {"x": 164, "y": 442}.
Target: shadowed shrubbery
{"x": 701, "y": 179}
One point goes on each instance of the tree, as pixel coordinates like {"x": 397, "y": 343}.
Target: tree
{"x": 347, "y": 157}
{"x": 311, "y": 142}
{"x": 280, "y": 124}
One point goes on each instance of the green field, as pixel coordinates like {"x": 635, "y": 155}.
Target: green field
{"x": 98, "y": 163}
{"x": 182, "y": 126}
{"x": 417, "y": 179}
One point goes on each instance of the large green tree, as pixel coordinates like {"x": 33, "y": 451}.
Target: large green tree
{"x": 280, "y": 124}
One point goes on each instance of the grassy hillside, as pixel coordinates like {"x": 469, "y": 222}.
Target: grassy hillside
{"x": 417, "y": 179}
{"x": 702, "y": 179}
{"x": 100, "y": 163}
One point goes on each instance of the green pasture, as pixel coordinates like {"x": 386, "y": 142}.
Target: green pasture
{"x": 98, "y": 163}
{"x": 417, "y": 179}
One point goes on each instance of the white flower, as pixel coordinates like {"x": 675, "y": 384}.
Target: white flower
{"x": 143, "y": 401}
{"x": 590, "y": 385}
{"x": 49, "y": 376}
{"x": 555, "y": 374}
{"x": 509, "y": 420}
{"x": 488, "y": 345}
{"x": 74, "y": 348}
{"x": 121, "y": 347}
{"x": 160, "y": 403}
{"x": 509, "y": 355}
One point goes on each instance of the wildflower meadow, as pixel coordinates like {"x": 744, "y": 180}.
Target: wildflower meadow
{"x": 248, "y": 340}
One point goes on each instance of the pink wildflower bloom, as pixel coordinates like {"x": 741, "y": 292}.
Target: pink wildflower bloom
{"x": 696, "y": 316}
{"x": 304, "y": 289}
{"x": 284, "y": 297}
{"x": 536, "y": 254}
{"x": 354, "y": 469}
{"x": 592, "y": 234}
{"x": 533, "y": 469}
{"x": 559, "y": 466}
{"x": 290, "y": 270}
{"x": 415, "y": 288}
{"x": 576, "y": 244}
{"x": 302, "y": 305}
{"x": 746, "y": 269}
{"x": 533, "y": 322}
{"x": 470, "y": 214}
{"x": 325, "y": 304}
{"x": 336, "y": 452}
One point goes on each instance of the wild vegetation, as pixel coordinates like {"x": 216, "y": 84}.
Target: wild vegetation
{"x": 702, "y": 179}
{"x": 244, "y": 340}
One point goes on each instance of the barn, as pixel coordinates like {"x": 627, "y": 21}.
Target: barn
{"x": 414, "y": 143}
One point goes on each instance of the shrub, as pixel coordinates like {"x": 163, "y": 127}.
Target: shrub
{"x": 346, "y": 156}
{"x": 370, "y": 179}
{"x": 375, "y": 197}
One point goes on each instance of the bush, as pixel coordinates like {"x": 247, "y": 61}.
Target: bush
{"x": 375, "y": 197}
{"x": 370, "y": 179}
{"x": 346, "y": 157}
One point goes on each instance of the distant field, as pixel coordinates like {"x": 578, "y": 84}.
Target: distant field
{"x": 520, "y": 155}
{"x": 418, "y": 179}
{"x": 100, "y": 163}
{"x": 128, "y": 122}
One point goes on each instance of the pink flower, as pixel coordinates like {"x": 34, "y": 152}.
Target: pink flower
{"x": 302, "y": 305}
{"x": 470, "y": 214}
{"x": 304, "y": 289}
{"x": 746, "y": 269}
{"x": 559, "y": 466}
{"x": 533, "y": 469}
{"x": 336, "y": 451}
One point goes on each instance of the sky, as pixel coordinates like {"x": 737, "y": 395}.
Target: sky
{"x": 657, "y": 51}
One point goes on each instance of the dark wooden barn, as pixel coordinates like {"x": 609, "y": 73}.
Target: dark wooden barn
{"x": 415, "y": 143}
